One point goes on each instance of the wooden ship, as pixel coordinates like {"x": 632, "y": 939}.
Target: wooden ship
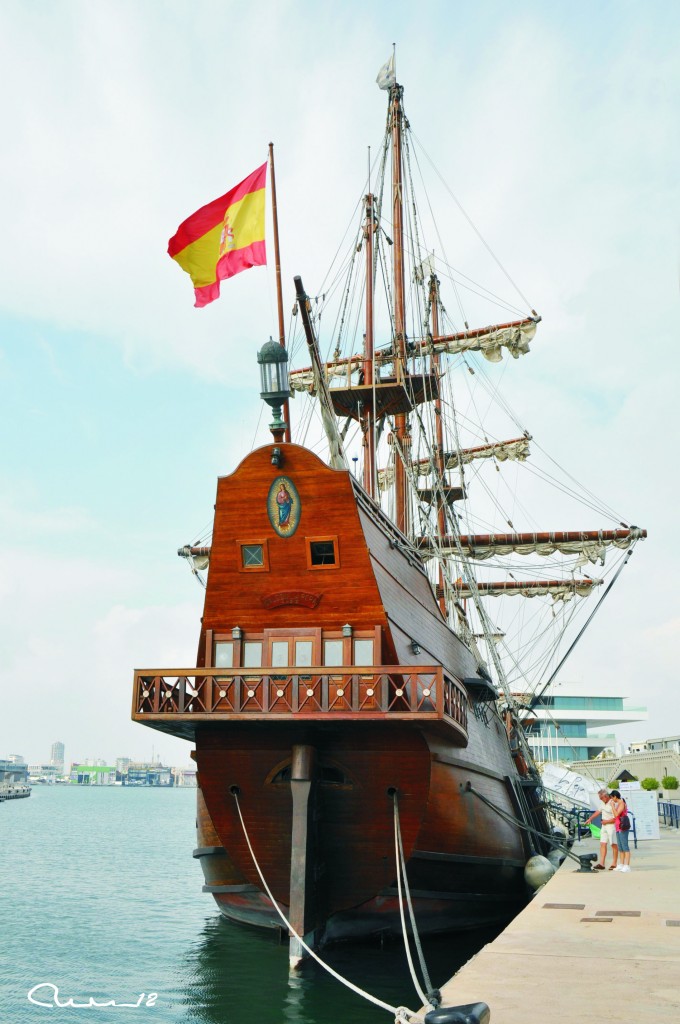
{"x": 341, "y": 675}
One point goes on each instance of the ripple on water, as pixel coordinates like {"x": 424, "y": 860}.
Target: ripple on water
{"x": 102, "y": 897}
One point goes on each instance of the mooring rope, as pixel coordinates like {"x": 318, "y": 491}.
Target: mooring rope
{"x": 432, "y": 997}
{"x": 402, "y": 1014}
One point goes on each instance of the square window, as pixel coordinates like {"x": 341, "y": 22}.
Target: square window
{"x": 322, "y": 553}
{"x": 252, "y": 556}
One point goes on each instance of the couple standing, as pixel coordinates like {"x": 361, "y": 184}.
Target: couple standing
{"x": 611, "y": 808}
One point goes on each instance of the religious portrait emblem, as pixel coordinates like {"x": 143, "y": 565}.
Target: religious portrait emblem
{"x": 283, "y": 506}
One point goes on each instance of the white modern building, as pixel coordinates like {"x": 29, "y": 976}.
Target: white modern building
{"x": 561, "y": 724}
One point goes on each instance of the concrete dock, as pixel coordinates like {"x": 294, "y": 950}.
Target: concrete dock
{"x": 596, "y": 947}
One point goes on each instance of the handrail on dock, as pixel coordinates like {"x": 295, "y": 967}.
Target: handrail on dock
{"x": 670, "y": 813}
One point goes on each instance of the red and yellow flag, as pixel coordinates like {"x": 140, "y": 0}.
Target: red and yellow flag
{"x": 223, "y": 238}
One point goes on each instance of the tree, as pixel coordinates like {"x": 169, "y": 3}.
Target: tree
{"x": 650, "y": 783}
{"x": 669, "y": 782}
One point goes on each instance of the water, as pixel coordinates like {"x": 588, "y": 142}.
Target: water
{"x": 101, "y": 897}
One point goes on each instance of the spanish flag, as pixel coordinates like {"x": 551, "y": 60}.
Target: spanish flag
{"x": 223, "y": 238}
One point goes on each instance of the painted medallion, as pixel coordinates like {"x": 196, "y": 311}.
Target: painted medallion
{"x": 283, "y": 506}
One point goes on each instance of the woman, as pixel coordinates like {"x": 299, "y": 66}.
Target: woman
{"x": 607, "y": 830}
{"x": 619, "y": 808}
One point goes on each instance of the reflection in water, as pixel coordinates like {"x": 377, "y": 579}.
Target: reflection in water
{"x": 233, "y": 974}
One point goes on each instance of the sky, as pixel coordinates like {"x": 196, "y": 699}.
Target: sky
{"x": 555, "y": 124}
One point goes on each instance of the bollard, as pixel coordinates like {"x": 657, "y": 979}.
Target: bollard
{"x": 469, "y": 1013}
{"x": 586, "y": 860}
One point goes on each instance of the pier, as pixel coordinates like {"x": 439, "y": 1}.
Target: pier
{"x": 13, "y": 791}
{"x": 585, "y": 935}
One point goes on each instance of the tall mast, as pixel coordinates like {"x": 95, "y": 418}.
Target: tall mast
{"x": 279, "y": 295}
{"x": 401, "y": 429}
{"x": 368, "y": 367}
{"x": 439, "y": 491}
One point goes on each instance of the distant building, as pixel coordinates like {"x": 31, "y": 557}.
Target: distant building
{"x": 57, "y": 756}
{"x": 13, "y": 771}
{"x": 144, "y": 774}
{"x": 645, "y": 759}
{"x": 93, "y": 774}
{"x": 43, "y": 773}
{"x": 122, "y": 764}
{"x": 561, "y": 723}
{"x": 184, "y": 776}
{"x": 669, "y": 743}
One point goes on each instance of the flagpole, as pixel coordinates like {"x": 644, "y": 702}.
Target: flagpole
{"x": 279, "y": 295}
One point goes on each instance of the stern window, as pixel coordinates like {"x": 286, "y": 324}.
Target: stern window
{"x": 322, "y": 553}
{"x": 252, "y": 654}
{"x": 333, "y": 653}
{"x": 224, "y": 654}
{"x": 253, "y": 556}
{"x": 363, "y": 652}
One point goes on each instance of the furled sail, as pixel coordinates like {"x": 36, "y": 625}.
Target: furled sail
{"x": 589, "y": 545}
{"x": 517, "y": 450}
{"x": 559, "y": 590}
{"x": 198, "y": 556}
{"x": 514, "y": 336}
{"x": 490, "y": 341}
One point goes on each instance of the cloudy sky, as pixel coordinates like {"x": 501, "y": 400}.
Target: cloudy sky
{"x": 555, "y": 125}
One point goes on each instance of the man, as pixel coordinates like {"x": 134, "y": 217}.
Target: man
{"x": 607, "y": 830}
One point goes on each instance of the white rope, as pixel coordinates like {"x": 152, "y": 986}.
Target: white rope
{"x": 401, "y": 869}
{"x": 401, "y": 1013}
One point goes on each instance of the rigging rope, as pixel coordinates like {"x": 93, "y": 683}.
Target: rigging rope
{"x": 472, "y": 224}
{"x": 590, "y": 618}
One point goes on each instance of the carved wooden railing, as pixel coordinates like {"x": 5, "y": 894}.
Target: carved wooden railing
{"x": 387, "y": 692}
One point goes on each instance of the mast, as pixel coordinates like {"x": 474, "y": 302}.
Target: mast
{"x": 368, "y": 368}
{"x": 439, "y": 434}
{"x": 401, "y": 429}
{"x": 279, "y": 294}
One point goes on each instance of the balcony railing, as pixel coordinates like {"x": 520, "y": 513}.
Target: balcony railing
{"x": 213, "y": 694}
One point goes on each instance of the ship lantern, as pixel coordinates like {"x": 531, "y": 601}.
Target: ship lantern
{"x": 273, "y": 360}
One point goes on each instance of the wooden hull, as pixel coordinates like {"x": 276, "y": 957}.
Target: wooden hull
{"x": 464, "y": 863}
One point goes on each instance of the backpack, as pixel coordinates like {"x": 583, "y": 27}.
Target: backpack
{"x": 624, "y": 820}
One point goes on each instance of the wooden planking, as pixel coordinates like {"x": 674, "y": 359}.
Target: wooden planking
{"x": 458, "y": 822}
{"x": 355, "y": 823}
{"x": 356, "y": 826}
{"x": 407, "y": 593}
{"x": 438, "y": 644}
{"x": 413, "y": 579}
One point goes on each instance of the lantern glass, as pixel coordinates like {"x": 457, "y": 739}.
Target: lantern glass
{"x": 273, "y": 360}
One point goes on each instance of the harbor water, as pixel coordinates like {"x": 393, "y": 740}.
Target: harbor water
{"x": 102, "y": 898}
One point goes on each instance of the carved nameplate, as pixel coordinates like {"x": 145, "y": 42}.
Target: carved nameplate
{"x": 284, "y": 597}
